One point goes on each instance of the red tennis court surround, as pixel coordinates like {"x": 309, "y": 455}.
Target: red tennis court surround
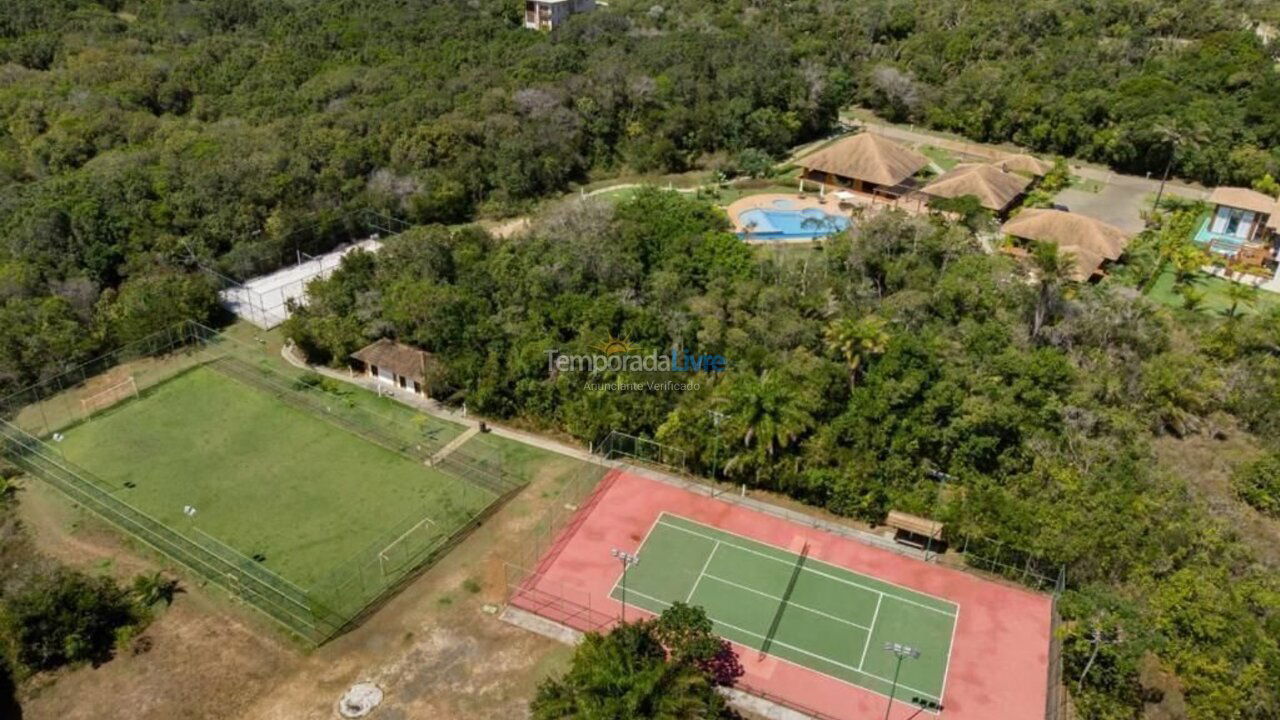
{"x": 999, "y": 655}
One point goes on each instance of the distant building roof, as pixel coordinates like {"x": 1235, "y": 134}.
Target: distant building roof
{"x": 1088, "y": 240}
{"x": 993, "y": 187}
{"x": 1243, "y": 198}
{"x": 1024, "y": 163}
{"x": 867, "y": 156}
{"x": 399, "y": 358}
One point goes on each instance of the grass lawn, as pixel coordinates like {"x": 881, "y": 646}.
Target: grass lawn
{"x": 943, "y": 158}
{"x": 1215, "y": 296}
{"x": 265, "y": 478}
{"x": 1087, "y": 184}
{"x": 262, "y": 348}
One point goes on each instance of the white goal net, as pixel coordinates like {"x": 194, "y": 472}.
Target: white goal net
{"x": 122, "y": 390}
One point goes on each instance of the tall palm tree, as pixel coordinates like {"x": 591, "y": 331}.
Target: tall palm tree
{"x": 1053, "y": 273}
{"x": 1240, "y": 292}
{"x": 856, "y": 340}
{"x": 766, "y": 414}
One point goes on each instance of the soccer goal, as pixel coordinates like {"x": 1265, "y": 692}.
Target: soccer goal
{"x": 403, "y": 549}
{"x": 122, "y": 390}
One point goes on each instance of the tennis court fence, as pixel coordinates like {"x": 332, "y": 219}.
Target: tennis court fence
{"x": 30, "y": 418}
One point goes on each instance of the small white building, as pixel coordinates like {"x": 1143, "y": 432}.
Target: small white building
{"x": 551, "y": 14}
{"x": 396, "y": 365}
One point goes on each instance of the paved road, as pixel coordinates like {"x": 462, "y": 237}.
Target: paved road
{"x": 1091, "y": 172}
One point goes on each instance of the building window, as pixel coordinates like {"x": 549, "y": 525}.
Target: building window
{"x": 404, "y": 382}
{"x": 373, "y": 370}
{"x": 417, "y": 387}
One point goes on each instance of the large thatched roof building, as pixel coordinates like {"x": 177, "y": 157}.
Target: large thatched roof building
{"x": 994, "y": 188}
{"x": 865, "y": 162}
{"x": 1089, "y": 241}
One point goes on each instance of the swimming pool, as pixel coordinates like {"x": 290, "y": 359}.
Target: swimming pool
{"x": 780, "y": 222}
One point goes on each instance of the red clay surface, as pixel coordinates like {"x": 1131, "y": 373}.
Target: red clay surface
{"x": 999, "y": 659}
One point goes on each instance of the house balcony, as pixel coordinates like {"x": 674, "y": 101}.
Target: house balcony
{"x": 1249, "y": 253}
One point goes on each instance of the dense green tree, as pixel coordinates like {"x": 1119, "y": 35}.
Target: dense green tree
{"x": 67, "y": 617}
{"x": 661, "y": 669}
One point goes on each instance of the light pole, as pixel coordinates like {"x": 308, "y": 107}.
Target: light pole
{"x": 902, "y": 652}
{"x": 716, "y": 418}
{"x": 943, "y": 479}
{"x": 627, "y": 560}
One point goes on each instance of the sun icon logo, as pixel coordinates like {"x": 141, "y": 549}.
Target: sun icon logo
{"x": 613, "y": 346}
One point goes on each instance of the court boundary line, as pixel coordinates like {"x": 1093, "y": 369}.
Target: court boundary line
{"x": 636, "y": 552}
{"x": 871, "y": 631}
{"x": 817, "y": 572}
{"x": 935, "y": 698}
{"x": 792, "y": 604}
{"x": 701, "y": 573}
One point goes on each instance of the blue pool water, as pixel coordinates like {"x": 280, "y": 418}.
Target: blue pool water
{"x": 780, "y": 223}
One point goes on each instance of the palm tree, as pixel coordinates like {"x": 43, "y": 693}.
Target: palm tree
{"x": 766, "y": 414}
{"x": 856, "y": 340}
{"x": 1053, "y": 272}
{"x": 155, "y": 588}
{"x": 1240, "y": 292}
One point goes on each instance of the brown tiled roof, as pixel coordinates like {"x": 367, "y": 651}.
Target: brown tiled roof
{"x": 397, "y": 357}
{"x": 1089, "y": 240}
{"x": 993, "y": 187}
{"x": 867, "y": 156}
{"x": 1243, "y": 198}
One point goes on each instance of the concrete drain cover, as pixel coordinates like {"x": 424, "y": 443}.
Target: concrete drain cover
{"x": 360, "y": 700}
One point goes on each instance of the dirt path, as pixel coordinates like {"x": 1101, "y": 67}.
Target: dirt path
{"x": 205, "y": 658}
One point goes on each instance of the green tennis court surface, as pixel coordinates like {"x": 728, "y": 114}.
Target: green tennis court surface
{"x": 833, "y": 621}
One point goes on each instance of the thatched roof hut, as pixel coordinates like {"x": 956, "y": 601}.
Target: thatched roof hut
{"x": 1090, "y": 241}
{"x": 1024, "y": 163}
{"x": 864, "y": 158}
{"x": 994, "y": 188}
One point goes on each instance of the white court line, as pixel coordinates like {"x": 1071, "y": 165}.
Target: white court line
{"x": 810, "y": 654}
{"x": 871, "y": 631}
{"x": 947, "y": 670}
{"x": 789, "y": 603}
{"x": 815, "y": 572}
{"x": 643, "y": 540}
{"x": 703, "y": 571}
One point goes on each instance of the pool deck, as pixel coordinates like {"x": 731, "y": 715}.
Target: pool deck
{"x": 860, "y": 205}
{"x": 767, "y": 201}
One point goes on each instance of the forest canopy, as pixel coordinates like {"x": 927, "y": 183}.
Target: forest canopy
{"x": 137, "y": 136}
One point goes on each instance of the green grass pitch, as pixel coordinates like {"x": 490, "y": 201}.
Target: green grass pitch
{"x": 265, "y": 478}
{"x": 835, "y": 621}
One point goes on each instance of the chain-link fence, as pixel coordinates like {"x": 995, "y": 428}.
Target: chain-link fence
{"x": 355, "y": 585}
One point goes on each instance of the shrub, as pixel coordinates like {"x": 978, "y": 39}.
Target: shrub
{"x": 68, "y": 617}
{"x": 1258, "y": 483}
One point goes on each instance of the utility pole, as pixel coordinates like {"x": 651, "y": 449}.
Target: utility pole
{"x": 716, "y": 418}
{"x": 902, "y": 652}
{"x": 627, "y": 560}
{"x": 943, "y": 479}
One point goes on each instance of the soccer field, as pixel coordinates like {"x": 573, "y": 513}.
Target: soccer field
{"x": 820, "y": 616}
{"x": 277, "y": 484}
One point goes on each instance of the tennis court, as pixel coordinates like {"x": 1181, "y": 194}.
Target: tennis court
{"x": 822, "y": 604}
{"x": 780, "y": 601}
